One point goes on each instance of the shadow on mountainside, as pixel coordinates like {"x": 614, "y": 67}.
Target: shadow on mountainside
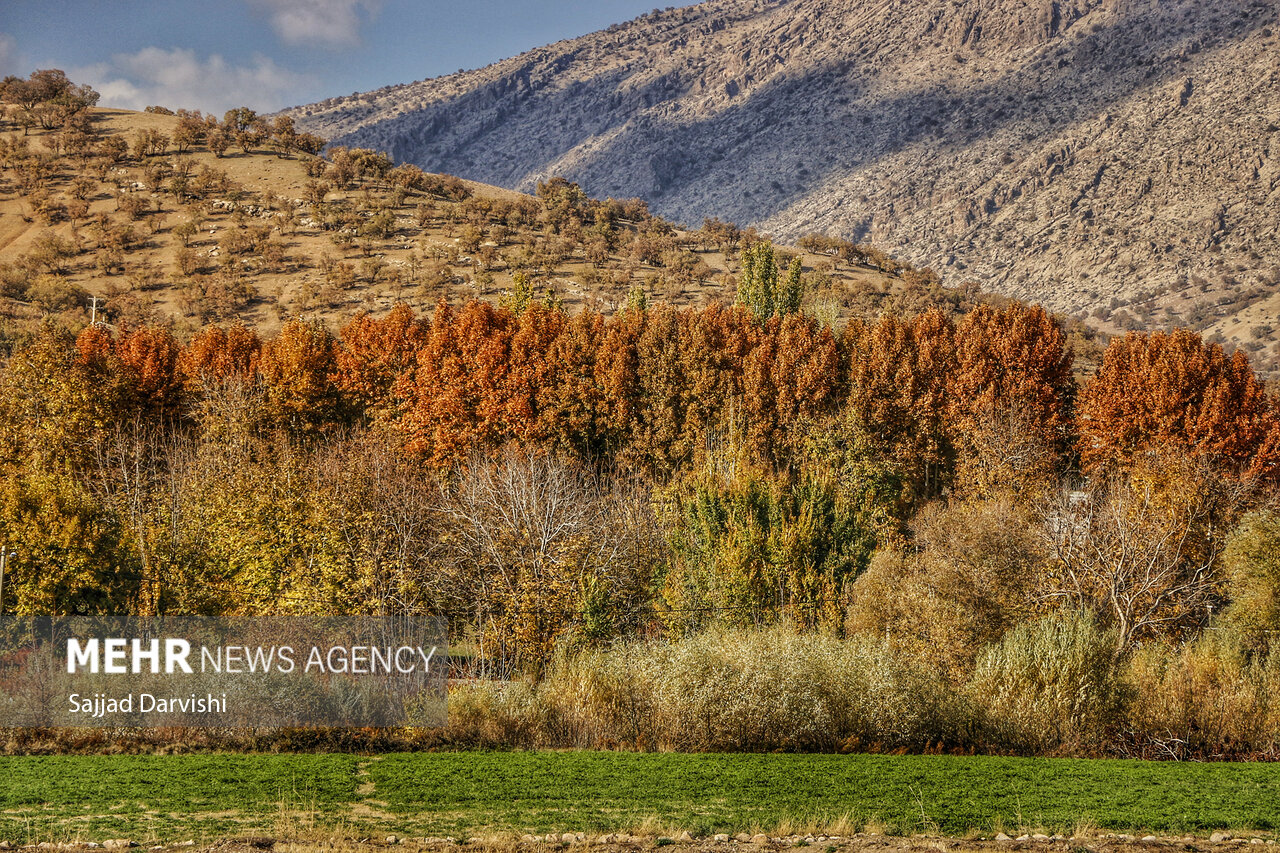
{"x": 754, "y": 157}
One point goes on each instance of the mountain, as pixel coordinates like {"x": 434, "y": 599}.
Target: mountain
{"x": 1113, "y": 157}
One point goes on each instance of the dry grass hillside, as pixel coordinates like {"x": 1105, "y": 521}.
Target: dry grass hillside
{"x": 191, "y": 238}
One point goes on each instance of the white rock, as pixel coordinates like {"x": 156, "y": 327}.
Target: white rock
{"x": 721, "y": 838}
{"x": 391, "y": 839}
{"x": 568, "y": 838}
{"x": 1149, "y": 838}
{"x": 685, "y": 838}
{"x": 1040, "y": 836}
{"x": 1000, "y": 836}
{"x": 1219, "y": 837}
{"x": 1024, "y": 837}
{"x": 760, "y": 839}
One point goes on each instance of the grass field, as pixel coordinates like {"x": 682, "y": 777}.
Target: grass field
{"x": 172, "y": 798}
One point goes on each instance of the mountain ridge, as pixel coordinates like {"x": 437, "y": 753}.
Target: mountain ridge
{"x": 1093, "y": 155}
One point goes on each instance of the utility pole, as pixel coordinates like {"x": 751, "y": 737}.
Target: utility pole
{"x": 5, "y": 556}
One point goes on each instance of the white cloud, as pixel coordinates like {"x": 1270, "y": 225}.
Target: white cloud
{"x": 178, "y": 78}
{"x": 9, "y": 56}
{"x": 334, "y": 23}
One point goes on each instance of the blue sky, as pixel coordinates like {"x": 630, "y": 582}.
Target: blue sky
{"x": 267, "y": 54}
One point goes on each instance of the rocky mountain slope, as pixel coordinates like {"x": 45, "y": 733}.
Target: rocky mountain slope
{"x": 1119, "y": 158}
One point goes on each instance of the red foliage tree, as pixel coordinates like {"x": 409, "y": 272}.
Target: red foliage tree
{"x": 1010, "y": 396}
{"x": 149, "y": 359}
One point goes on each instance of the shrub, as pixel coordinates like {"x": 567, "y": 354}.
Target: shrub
{"x": 1252, "y": 561}
{"x": 1050, "y": 686}
{"x": 1206, "y": 699}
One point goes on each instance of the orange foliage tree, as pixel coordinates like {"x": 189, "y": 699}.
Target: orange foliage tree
{"x": 790, "y": 379}
{"x": 373, "y": 356}
{"x": 149, "y": 360}
{"x": 897, "y": 392}
{"x": 455, "y": 396}
{"x": 216, "y": 355}
{"x": 295, "y": 369}
{"x": 1010, "y": 396}
{"x": 1177, "y": 391}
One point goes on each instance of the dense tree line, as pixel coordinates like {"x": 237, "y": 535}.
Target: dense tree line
{"x": 543, "y": 478}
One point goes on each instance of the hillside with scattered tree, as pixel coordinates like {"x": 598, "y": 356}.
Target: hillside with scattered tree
{"x": 186, "y": 218}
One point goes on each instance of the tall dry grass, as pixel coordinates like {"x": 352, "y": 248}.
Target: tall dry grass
{"x": 1206, "y": 699}
{"x": 753, "y": 689}
{"x": 1053, "y": 686}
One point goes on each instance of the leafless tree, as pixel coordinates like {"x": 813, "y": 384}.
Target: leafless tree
{"x": 1141, "y": 548}
{"x": 543, "y": 546}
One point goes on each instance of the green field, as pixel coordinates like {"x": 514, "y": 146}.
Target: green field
{"x": 172, "y": 798}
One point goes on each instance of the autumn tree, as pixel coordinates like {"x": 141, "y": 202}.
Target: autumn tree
{"x": 296, "y": 369}
{"x": 456, "y": 396}
{"x": 386, "y": 519}
{"x": 1010, "y": 397}
{"x": 46, "y": 97}
{"x": 562, "y": 202}
{"x": 1252, "y": 564}
{"x": 1139, "y": 548}
{"x": 148, "y": 357}
{"x": 897, "y": 377}
{"x": 216, "y": 354}
{"x": 790, "y": 379}
{"x": 583, "y": 396}
{"x": 546, "y": 551}
{"x": 191, "y": 131}
{"x": 688, "y": 384}
{"x": 56, "y": 399}
{"x": 965, "y": 576}
{"x": 71, "y": 560}
{"x": 1175, "y": 390}
{"x": 372, "y": 356}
